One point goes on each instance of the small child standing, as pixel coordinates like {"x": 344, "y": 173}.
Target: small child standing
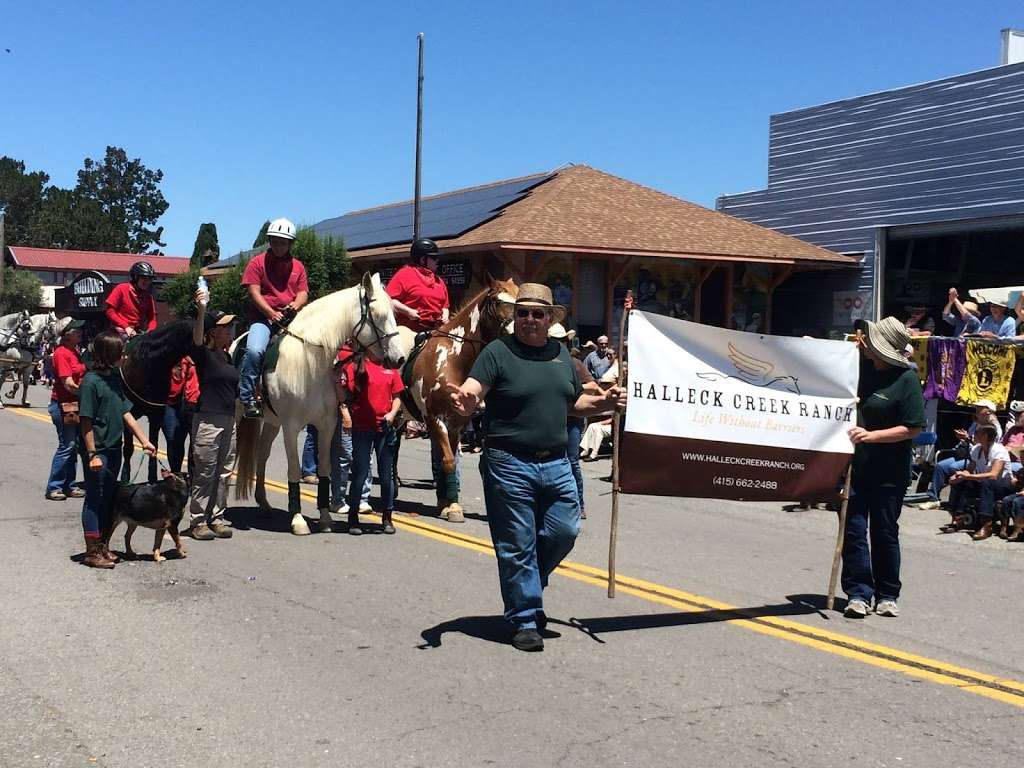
{"x": 104, "y": 411}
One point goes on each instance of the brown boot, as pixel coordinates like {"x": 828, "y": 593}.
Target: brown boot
{"x": 108, "y": 553}
{"x": 984, "y": 532}
{"x": 1018, "y": 529}
{"x": 94, "y": 554}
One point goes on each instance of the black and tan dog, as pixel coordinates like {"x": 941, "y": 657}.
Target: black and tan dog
{"x": 159, "y": 506}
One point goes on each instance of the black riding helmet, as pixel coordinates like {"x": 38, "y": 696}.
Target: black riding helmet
{"x": 141, "y": 269}
{"x": 423, "y": 248}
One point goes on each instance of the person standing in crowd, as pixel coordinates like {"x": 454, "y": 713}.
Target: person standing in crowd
{"x": 997, "y": 325}
{"x": 418, "y": 294}
{"x": 278, "y": 287}
{"x": 918, "y": 321}
{"x": 182, "y": 399}
{"x": 104, "y": 411}
{"x": 962, "y": 315}
{"x": 984, "y": 413}
{"x": 530, "y": 386}
{"x": 371, "y": 392}
{"x": 890, "y": 414}
{"x": 213, "y": 426}
{"x": 575, "y": 424}
{"x": 68, "y": 370}
{"x": 989, "y": 476}
{"x": 600, "y": 360}
{"x": 131, "y": 309}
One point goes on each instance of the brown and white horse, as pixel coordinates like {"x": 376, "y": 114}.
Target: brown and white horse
{"x": 446, "y": 358}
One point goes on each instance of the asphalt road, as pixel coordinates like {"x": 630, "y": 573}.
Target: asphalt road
{"x": 330, "y": 650}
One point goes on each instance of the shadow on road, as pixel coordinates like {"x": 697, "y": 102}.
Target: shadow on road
{"x": 490, "y": 628}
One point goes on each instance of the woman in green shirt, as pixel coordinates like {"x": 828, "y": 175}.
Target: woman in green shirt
{"x": 890, "y": 414}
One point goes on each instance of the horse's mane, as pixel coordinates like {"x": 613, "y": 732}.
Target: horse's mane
{"x": 153, "y": 355}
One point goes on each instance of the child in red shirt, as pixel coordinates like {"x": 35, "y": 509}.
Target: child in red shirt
{"x": 371, "y": 393}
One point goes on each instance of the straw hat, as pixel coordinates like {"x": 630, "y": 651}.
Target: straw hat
{"x": 557, "y": 331}
{"x": 888, "y": 338}
{"x": 971, "y": 307}
{"x": 539, "y": 295}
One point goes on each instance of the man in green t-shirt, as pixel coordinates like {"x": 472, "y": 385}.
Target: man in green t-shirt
{"x": 530, "y": 386}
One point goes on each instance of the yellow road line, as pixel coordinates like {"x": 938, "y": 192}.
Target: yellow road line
{"x": 1000, "y": 689}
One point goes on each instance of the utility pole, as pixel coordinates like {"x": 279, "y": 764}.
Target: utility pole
{"x": 419, "y": 144}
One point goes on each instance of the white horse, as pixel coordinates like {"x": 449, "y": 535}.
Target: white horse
{"x": 20, "y": 342}
{"x": 300, "y": 389}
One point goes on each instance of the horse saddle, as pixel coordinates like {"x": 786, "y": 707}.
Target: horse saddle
{"x": 270, "y": 357}
{"x": 406, "y": 394}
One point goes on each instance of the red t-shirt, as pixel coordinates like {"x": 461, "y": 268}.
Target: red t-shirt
{"x": 420, "y": 289}
{"x": 374, "y": 400}
{"x": 128, "y": 308}
{"x": 66, "y": 362}
{"x": 184, "y": 379}
{"x": 280, "y": 280}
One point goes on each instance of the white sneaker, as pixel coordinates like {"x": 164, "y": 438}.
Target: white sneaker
{"x": 364, "y": 506}
{"x": 339, "y": 509}
{"x": 887, "y": 608}
{"x": 928, "y": 505}
{"x": 856, "y": 609}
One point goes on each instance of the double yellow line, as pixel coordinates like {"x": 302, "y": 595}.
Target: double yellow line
{"x": 999, "y": 689}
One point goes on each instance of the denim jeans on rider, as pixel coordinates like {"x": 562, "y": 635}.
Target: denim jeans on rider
{"x": 574, "y": 429}
{"x": 252, "y": 362}
{"x": 383, "y": 445}
{"x": 100, "y": 486}
{"x": 873, "y": 514}
{"x": 534, "y": 518}
{"x": 63, "y": 468}
{"x": 943, "y": 471}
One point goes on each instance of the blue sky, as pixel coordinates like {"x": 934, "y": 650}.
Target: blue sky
{"x": 306, "y": 109}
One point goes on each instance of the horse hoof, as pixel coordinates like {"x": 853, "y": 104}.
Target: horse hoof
{"x": 453, "y": 514}
{"x": 299, "y": 526}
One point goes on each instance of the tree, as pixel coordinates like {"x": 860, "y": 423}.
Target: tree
{"x": 339, "y": 265}
{"x": 129, "y": 194}
{"x": 179, "y": 292}
{"x": 206, "y": 250}
{"x": 309, "y": 249}
{"x": 228, "y": 294}
{"x": 261, "y": 238}
{"x": 21, "y": 195}
{"x": 22, "y": 291}
{"x": 67, "y": 220}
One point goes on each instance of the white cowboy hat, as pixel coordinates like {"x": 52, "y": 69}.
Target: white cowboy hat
{"x": 557, "y": 331}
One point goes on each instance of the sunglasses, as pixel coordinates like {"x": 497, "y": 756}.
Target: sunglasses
{"x": 536, "y": 314}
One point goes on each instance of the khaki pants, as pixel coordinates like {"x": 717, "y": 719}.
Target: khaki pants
{"x": 213, "y": 458}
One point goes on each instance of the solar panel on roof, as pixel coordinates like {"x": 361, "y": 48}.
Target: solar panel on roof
{"x": 440, "y": 217}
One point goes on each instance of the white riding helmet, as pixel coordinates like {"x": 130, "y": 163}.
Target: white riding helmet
{"x": 281, "y": 228}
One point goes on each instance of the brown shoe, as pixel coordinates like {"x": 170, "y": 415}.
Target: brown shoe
{"x": 109, "y": 554}
{"x": 984, "y": 532}
{"x": 221, "y": 531}
{"x": 94, "y": 554}
{"x": 201, "y": 532}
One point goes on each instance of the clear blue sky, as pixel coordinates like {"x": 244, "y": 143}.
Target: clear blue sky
{"x": 306, "y": 109}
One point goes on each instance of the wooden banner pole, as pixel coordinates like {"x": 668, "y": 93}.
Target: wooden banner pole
{"x": 613, "y": 535}
{"x": 840, "y": 536}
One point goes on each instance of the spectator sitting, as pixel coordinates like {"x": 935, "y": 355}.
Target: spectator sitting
{"x": 963, "y": 316}
{"x": 600, "y": 360}
{"x": 989, "y": 476}
{"x": 918, "y": 322}
{"x": 984, "y": 414}
{"x": 594, "y": 436}
{"x": 1013, "y": 437}
{"x": 997, "y": 325}
{"x": 1013, "y": 510}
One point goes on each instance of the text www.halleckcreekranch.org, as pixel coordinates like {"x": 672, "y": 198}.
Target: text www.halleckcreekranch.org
{"x": 744, "y": 461}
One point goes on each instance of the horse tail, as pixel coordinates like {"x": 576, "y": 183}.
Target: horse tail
{"x": 247, "y": 444}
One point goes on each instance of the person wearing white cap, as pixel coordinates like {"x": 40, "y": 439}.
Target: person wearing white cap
{"x": 890, "y": 414}
{"x": 997, "y": 324}
{"x": 984, "y": 413}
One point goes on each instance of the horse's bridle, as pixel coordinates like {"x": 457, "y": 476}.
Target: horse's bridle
{"x": 366, "y": 319}
{"x": 489, "y": 302}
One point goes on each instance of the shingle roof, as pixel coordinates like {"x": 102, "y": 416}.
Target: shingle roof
{"x": 72, "y": 261}
{"x": 583, "y": 209}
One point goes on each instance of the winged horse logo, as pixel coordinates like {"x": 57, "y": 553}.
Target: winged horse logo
{"x": 751, "y": 370}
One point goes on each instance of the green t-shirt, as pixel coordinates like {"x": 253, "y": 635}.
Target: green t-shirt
{"x": 888, "y": 398}
{"x": 531, "y": 392}
{"x": 102, "y": 400}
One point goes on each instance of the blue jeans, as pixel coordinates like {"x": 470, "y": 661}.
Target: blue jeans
{"x": 100, "y": 486}
{"x": 64, "y": 467}
{"x": 534, "y": 518}
{"x": 309, "y": 451}
{"x": 176, "y": 427}
{"x": 383, "y": 445}
{"x": 252, "y": 362}
{"x": 341, "y": 464}
{"x": 873, "y": 572}
{"x": 943, "y": 471}
{"x": 987, "y": 492}
{"x": 574, "y": 429}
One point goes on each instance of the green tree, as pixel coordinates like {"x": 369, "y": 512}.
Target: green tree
{"x": 339, "y": 266}
{"x": 261, "y": 238}
{"x": 129, "y": 194}
{"x": 22, "y": 291}
{"x": 228, "y": 294}
{"x": 21, "y": 196}
{"x": 309, "y": 249}
{"x": 67, "y": 220}
{"x": 179, "y": 292}
{"x": 206, "y": 249}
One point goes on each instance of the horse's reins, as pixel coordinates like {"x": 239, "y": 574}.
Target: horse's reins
{"x": 456, "y": 337}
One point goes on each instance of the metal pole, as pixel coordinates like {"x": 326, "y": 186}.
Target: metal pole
{"x": 419, "y": 143}
{"x": 613, "y": 535}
